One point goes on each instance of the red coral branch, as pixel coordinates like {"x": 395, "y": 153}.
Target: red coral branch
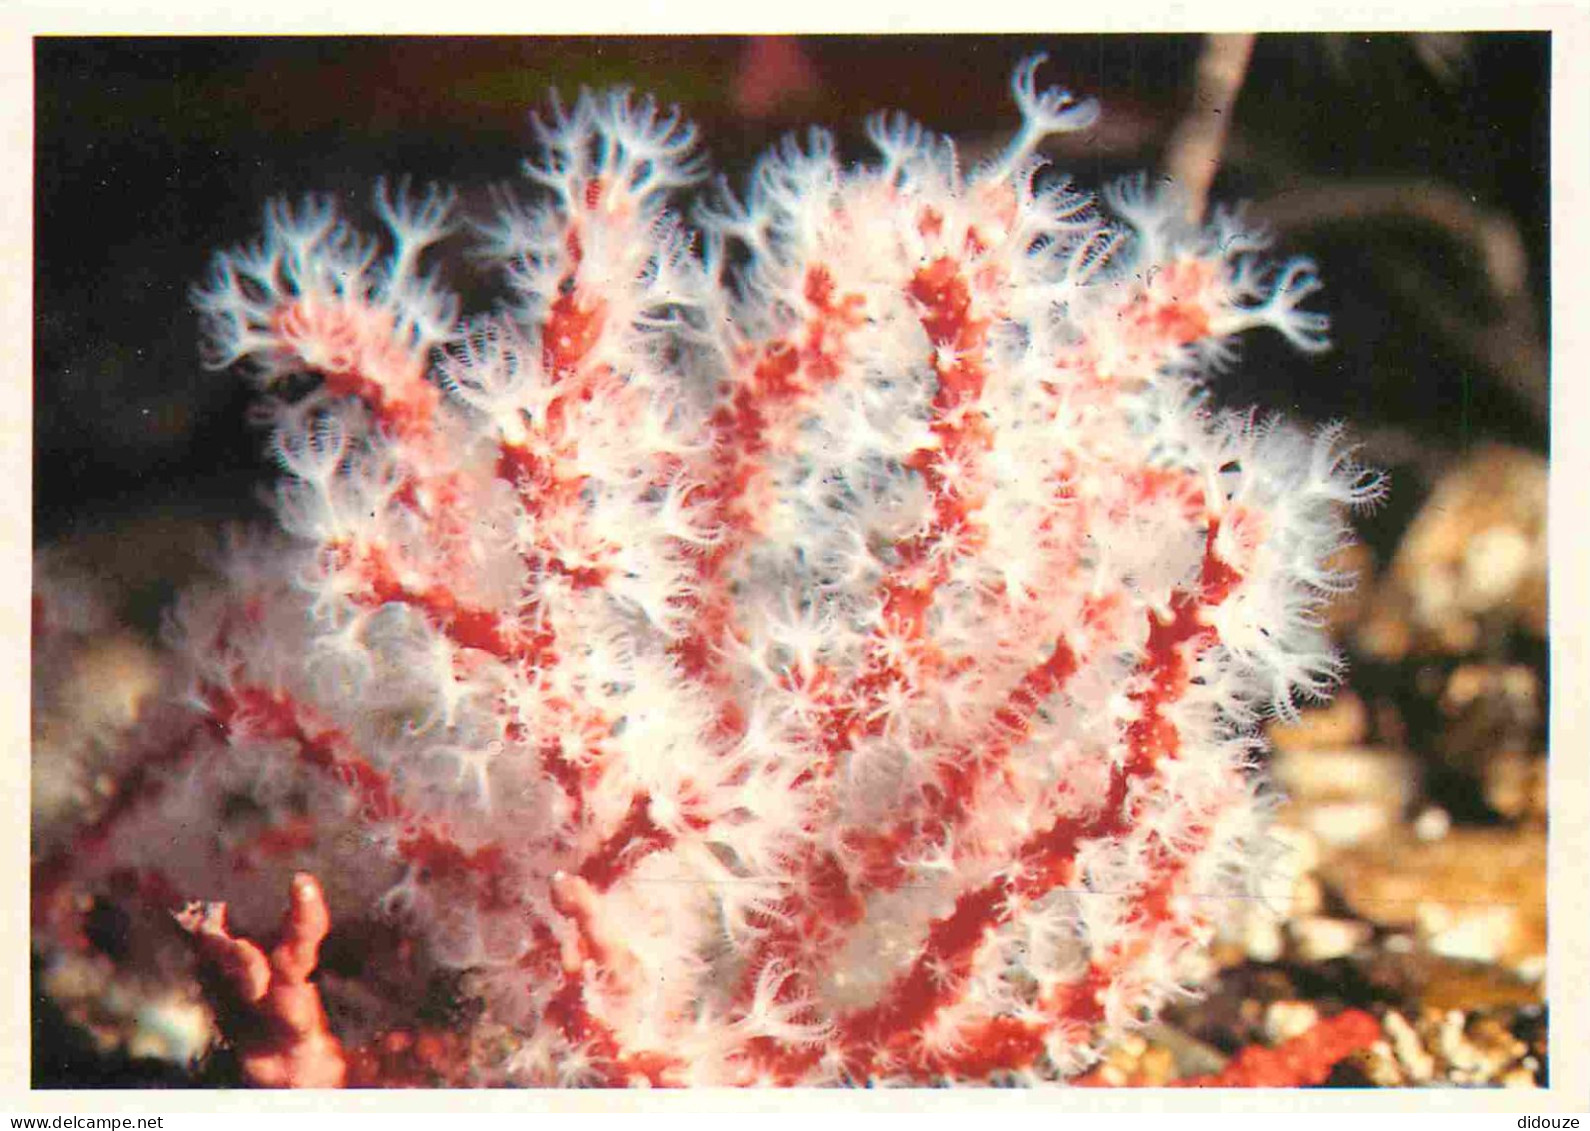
{"x": 1305, "y": 1061}
{"x": 268, "y": 1007}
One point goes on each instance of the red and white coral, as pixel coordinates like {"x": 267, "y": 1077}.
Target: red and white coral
{"x": 840, "y": 666}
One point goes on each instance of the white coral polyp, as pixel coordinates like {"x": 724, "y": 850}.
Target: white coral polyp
{"x": 836, "y": 668}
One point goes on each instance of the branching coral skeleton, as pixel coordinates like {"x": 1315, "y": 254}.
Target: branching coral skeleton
{"x": 820, "y": 648}
{"x": 279, "y": 1024}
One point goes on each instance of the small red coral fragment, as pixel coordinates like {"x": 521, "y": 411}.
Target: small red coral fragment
{"x": 1303, "y": 1062}
{"x": 267, "y": 1006}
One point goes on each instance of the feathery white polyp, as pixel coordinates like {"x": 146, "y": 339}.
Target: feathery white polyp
{"x": 837, "y": 667}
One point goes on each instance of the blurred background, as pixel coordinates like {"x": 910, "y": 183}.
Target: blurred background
{"x": 1413, "y": 168}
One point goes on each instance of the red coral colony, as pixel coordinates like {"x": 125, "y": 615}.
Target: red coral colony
{"x": 825, "y": 646}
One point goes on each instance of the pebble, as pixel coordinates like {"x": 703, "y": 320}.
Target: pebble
{"x": 1262, "y": 938}
{"x": 1284, "y": 1020}
{"x": 1481, "y": 936}
{"x": 1320, "y": 939}
{"x": 1432, "y": 824}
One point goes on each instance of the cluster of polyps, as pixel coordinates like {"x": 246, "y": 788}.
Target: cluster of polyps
{"x": 825, "y": 649}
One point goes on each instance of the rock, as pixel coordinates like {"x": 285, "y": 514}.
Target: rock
{"x": 1320, "y": 939}
{"x": 1311, "y": 776}
{"x": 172, "y": 1029}
{"x": 1475, "y": 893}
{"x": 1510, "y": 691}
{"x": 1346, "y": 796}
{"x": 1489, "y": 711}
{"x": 1474, "y": 559}
{"x": 1284, "y": 1020}
{"x": 1350, "y": 822}
{"x": 1263, "y": 939}
{"x": 1478, "y": 937}
{"x": 1411, "y": 974}
{"x": 122, "y": 1013}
